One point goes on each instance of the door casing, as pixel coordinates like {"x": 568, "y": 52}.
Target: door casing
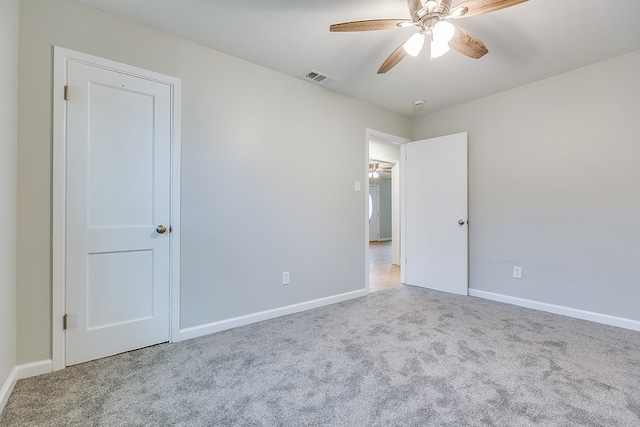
{"x": 62, "y": 57}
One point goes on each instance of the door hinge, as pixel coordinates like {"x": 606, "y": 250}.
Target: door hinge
{"x": 65, "y": 322}
{"x": 66, "y": 92}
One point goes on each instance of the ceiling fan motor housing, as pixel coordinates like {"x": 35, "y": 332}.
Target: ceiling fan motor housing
{"x": 430, "y": 8}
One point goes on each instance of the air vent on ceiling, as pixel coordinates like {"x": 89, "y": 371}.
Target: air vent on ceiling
{"x": 319, "y": 78}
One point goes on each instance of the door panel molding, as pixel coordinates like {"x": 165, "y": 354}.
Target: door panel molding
{"x": 62, "y": 57}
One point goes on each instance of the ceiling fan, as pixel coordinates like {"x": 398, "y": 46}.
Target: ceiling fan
{"x": 430, "y": 16}
{"x": 375, "y": 169}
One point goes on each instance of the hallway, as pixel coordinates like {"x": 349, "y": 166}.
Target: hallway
{"x": 382, "y": 274}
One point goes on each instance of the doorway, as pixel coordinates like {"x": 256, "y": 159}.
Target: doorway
{"x": 434, "y": 212}
{"x": 116, "y": 208}
{"x": 383, "y": 252}
{"x": 384, "y": 273}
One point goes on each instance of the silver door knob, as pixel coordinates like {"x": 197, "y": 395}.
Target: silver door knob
{"x": 161, "y": 229}
{"x": 461, "y": 222}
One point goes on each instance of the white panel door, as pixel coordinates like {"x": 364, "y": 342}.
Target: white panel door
{"x": 374, "y": 213}
{"x": 435, "y": 214}
{"x": 118, "y": 193}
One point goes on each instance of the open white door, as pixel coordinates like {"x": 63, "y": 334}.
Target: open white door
{"x": 435, "y": 209}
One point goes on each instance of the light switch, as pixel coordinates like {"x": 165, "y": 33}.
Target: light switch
{"x": 517, "y": 272}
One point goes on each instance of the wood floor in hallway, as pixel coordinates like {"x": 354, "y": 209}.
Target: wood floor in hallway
{"x": 382, "y": 274}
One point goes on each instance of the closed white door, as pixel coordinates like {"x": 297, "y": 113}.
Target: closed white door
{"x": 117, "y": 204}
{"x": 374, "y": 213}
{"x": 435, "y": 234}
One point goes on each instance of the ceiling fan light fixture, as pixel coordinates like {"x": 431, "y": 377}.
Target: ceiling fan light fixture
{"x": 443, "y": 32}
{"x": 413, "y": 46}
{"x": 431, "y": 5}
{"x": 458, "y": 11}
{"x": 373, "y": 170}
{"x": 430, "y": 16}
{"x": 438, "y": 49}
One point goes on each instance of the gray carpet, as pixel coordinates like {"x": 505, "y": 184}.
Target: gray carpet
{"x": 400, "y": 357}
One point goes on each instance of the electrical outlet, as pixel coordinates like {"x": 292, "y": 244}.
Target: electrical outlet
{"x": 286, "y": 277}
{"x": 517, "y": 272}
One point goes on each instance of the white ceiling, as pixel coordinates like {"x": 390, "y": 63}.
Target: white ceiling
{"x": 527, "y": 42}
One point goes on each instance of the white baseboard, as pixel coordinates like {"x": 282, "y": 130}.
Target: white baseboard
{"x": 606, "y": 319}
{"x": 7, "y": 388}
{"x": 20, "y": 372}
{"x": 209, "y": 328}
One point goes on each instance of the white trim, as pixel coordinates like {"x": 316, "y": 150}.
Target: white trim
{"x": 384, "y": 239}
{"x": 605, "y": 319}
{"x": 58, "y": 209}
{"x": 383, "y": 159}
{"x": 403, "y": 213}
{"x": 33, "y": 369}
{"x": 20, "y": 372}
{"x": 376, "y": 135}
{"x": 176, "y": 229}
{"x": 201, "y": 330}
{"x": 366, "y": 209}
{"x": 7, "y": 388}
{"x": 61, "y": 57}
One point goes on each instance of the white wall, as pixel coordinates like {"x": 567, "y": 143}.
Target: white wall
{"x": 240, "y": 123}
{"x": 555, "y": 187}
{"x": 8, "y": 165}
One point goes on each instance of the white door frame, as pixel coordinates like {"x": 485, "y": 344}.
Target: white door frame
{"x": 61, "y": 58}
{"x": 384, "y": 137}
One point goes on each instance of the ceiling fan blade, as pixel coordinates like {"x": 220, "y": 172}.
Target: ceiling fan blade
{"x": 478, "y": 7}
{"x": 468, "y": 44}
{"x": 370, "y": 25}
{"x": 393, "y": 59}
